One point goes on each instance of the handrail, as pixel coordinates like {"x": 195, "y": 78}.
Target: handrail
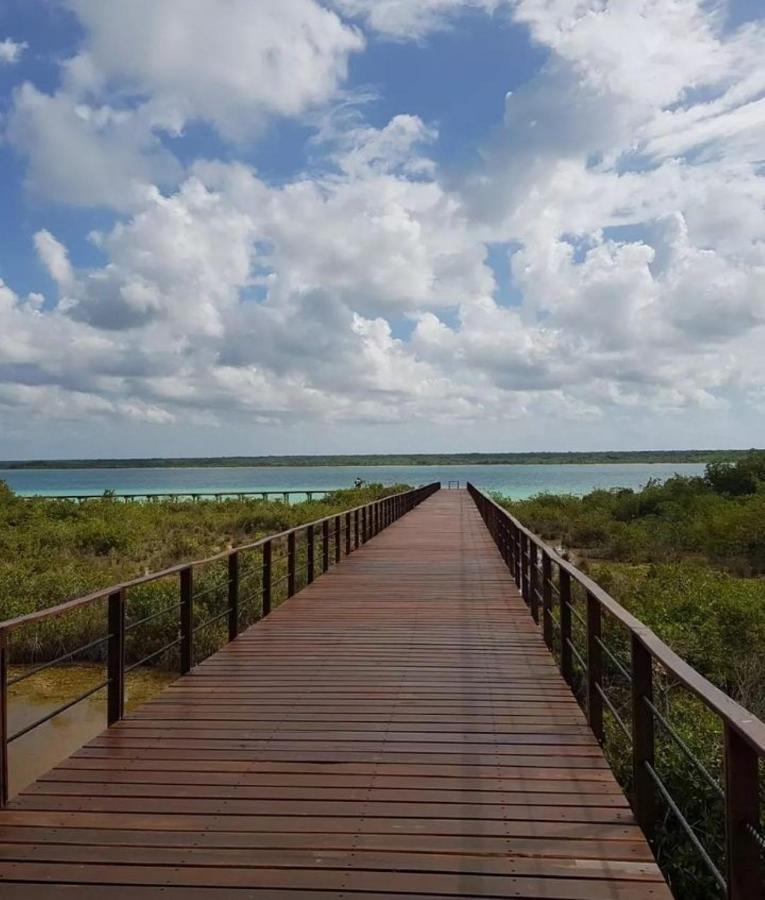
{"x": 356, "y": 525}
{"x": 748, "y": 725}
{"x": 79, "y": 602}
{"x": 530, "y": 560}
{"x": 178, "y": 495}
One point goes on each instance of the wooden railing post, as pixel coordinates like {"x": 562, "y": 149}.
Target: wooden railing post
{"x": 310, "y": 553}
{"x": 525, "y": 567}
{"x": 291, "y": 554}
{"x": 594, "y": 668}
{"x": 742, "y": 808}
{"x": 547, "y": 625}
{"x": 233, "y": 595}
{"x": 266, "y": 588}
{"x": 564, "y": 617}
{"x": 518, "y": 556}
{"x": 4, "y": 786}
{"x": 115, "y": 664}
{"x": 533, "y": 580}
{"x": 187, "y": 619}
{"x": 643, "y": 745}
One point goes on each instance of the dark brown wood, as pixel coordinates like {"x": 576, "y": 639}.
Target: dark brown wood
{"x": 100, "y": 596}
{"x": 743, "y": 721}
{"x": 547, "y": 592}
{"x": 291, "y": 561}
{"x": 267, "y": 563}
{"x": 518, "y": 572}
{"x": 594, "y": 668}
{"x": 533, "y": 583}
{"x": 233, "y": 595}
{"x": 115, "y": 665}
{"x": 643, "y": 741}
{"x": 395, "y": 730}
{"x": 187, "y": 618}
{"x": 310, "y": 550}
{"x": 742, "y": 809}
{"x": 564, "y": 620}
{"x": 4, "y": 734}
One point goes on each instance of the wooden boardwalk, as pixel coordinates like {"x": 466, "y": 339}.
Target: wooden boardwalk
{"x": 397, "y": 729}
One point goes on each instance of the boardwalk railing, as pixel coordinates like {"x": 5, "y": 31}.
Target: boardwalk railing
{"x": 546, "y": 581}
{"x": 186, "y": 495}
{"x": 248, "y": 579}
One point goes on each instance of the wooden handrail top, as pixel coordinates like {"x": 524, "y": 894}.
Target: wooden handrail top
{"x": 744, "y": 722}
{"x": 53, "y": 612}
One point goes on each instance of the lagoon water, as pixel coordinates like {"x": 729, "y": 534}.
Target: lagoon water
{"x": 517, "y": 481}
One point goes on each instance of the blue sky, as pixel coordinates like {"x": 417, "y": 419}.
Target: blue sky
{"x": 298, "y": 226}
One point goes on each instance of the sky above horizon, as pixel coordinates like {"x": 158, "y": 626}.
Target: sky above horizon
{"x": 285, "y": 226}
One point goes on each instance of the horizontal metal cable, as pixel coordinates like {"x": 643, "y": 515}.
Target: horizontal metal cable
{"x": 215, "y": 587}
{"x": 53, "y": 662}
{"x": 614, "y": 712}
{"x": 576, "y": 653}
{"x": 22, "y": 731}
{"x": 756, "y": 835}
{"x": 151, "y": 656}
{"x": 576, "y": 614}
{"x": 211, "y": 620}
{"x": 254, "y": 572}
{"x": 710, "y": 779}
{"x": 150, "y": 618}
{"x": 717, "y": 875}
{"x": 248, "y": 598}
{"x": 615, "y": 660}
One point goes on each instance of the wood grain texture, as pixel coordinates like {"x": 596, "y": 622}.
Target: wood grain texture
{"x": 397, "y": 729}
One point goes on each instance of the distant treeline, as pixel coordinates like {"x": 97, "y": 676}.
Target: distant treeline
{"x": 404, "y": 459}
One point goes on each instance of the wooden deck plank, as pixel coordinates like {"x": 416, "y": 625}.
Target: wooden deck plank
{"x": 397, "y": 729}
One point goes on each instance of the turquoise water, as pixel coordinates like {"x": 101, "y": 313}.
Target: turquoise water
{"x": 514, "y": 481}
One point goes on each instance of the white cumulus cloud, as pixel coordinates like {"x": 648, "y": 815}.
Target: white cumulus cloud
{"x": 11, "y": 51}
{"x": 622, "y": 196}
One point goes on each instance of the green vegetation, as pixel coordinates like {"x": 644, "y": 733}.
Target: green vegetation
{"x": 687, "y": 557}
{"x": 54, "y": 550}
{"x": 405, "y": 459}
